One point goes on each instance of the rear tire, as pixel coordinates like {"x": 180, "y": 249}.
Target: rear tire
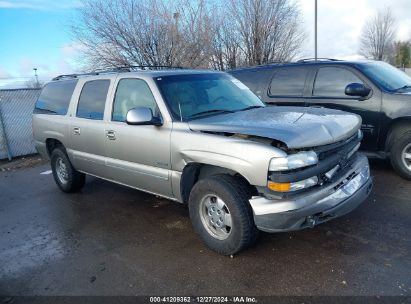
{"x": 401, "y": 155}
{"x": 221, "y": 214}
{"x": 66, "y": 177}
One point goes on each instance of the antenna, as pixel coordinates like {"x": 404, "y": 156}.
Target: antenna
{"x": 179, "y": 109}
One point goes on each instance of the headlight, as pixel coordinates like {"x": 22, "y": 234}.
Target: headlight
{"x": 293, "y": 161}
{"x": 289, "y": 187}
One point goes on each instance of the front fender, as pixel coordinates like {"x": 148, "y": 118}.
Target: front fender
{"x": 248, "y": 158}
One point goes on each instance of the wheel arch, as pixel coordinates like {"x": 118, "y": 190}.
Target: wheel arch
{"x": 51, "y": 144}
{"x": 195, "y": 171}
{"x": 396, "y": 128}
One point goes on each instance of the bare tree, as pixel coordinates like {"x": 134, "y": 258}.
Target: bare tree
{"x": 268, "y": 30}
{"x": 192, "y": 33}
{"x": 33, "y": 83}
{"x": 377, "y": 36}
{"x": 226, "y": 51}
{"x": 144, "y": 32}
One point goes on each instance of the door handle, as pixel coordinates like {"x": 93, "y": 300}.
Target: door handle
{"x": 76, "y": 130}
{"x": 111, "y": 135}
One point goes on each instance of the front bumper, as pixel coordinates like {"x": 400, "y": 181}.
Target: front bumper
{"x": 316, "y": 206}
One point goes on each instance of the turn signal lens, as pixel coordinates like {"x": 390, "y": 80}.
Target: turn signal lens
{"x": 288, "y": 187}
{"x": 279, "y": 187}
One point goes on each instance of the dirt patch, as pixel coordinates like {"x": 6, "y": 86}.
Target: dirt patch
{"x": 22, "y": 163}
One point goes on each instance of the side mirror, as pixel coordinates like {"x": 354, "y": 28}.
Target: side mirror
{"x": 357, "y": 89}
{"x": 142, "y": 116}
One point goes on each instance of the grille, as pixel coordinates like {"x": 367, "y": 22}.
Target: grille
{"x": 342, "y": 183}
{"x": 342, "y": 148}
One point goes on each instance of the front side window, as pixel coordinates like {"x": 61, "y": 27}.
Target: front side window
{"x": 93, "y": 99}
{"x": 132, "y": 93}
{"x": 288, "y": 82}
{"x": 194, "y": 96}
{"x": 331, "y": 82}
{"x": 55, "y": 97}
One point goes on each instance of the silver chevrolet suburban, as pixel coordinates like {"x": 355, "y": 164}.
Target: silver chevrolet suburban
{"x": 202, "y": 138}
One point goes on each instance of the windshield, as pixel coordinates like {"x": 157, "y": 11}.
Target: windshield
{"x": 387, "y": 76}
{"x": 194, "y": 96}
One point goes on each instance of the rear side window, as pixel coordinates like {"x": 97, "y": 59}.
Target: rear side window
{"x": 254, "y": 80}
{"x": 55, "y": 97}
{"x": 93, "y": 99}
{"x": 288, "y": 82}
{"x": 331, "y": 82}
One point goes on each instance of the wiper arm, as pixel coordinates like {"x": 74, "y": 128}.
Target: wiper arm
{"x": 404, "y": 87}
{"x": 219, "y": 111}
{"x": 39, "y": 111}
{"x": 251, "y": 107}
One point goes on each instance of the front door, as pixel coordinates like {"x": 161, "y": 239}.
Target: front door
{"x": 137, "y": 155}
{"x": 328, "y": 90}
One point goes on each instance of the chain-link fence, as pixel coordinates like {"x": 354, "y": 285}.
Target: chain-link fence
{"x": 16, "y": 135}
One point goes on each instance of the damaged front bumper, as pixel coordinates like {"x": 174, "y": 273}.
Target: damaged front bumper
{"x": 316, "y": 206}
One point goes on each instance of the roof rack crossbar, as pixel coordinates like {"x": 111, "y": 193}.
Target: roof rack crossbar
{"x": 128, "y": 68}
{"x": 152, "y": 67}
{"x": 74, "y": 75}
{"x": 317, "y": 59}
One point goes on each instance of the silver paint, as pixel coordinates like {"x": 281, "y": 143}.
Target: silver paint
{"x": 152, "y": 158}
{"x": 297, "y": 127}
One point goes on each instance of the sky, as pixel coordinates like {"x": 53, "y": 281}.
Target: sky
{"x": 36, "y": 34}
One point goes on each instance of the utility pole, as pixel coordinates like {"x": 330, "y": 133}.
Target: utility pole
{"x": 315, "y": 31}
{"x": 37, "y": 78}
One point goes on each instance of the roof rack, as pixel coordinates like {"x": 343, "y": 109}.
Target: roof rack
{"x": 128, "y": 68}
{"x": 317, "y": 59}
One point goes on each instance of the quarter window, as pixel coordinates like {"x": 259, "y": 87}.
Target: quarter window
{"x": 132, "y": 93}
{"x": 93, "y": 99}
{"x": 288, "y": 82}
{"x": 55, "y": 97}
{"x": 331, "y": 82}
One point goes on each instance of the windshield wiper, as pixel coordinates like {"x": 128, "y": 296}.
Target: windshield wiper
{"x": 44, "y": 111}
{"x": 217, "y": 111}
{"x": 403, "y": 88}
{"x": 251, "y": 107}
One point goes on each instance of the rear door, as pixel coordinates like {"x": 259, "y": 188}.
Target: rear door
{"x": 137, "y": 155}
{"x": 255, "y": 79}
{"x": 328, "y": 90}
{"x": 87, "y": 135}
{"x": 288, "y": 86}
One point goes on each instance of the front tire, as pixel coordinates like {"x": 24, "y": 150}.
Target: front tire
{"x": 221, "y": 214}
{"x": 401, "y": 155}
{"x": 66, "y": 177}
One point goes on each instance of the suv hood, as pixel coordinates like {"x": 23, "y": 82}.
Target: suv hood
{"x": 297, "y": 127}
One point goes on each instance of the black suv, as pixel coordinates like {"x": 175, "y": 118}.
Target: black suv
{"x": 378, "y": 92}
